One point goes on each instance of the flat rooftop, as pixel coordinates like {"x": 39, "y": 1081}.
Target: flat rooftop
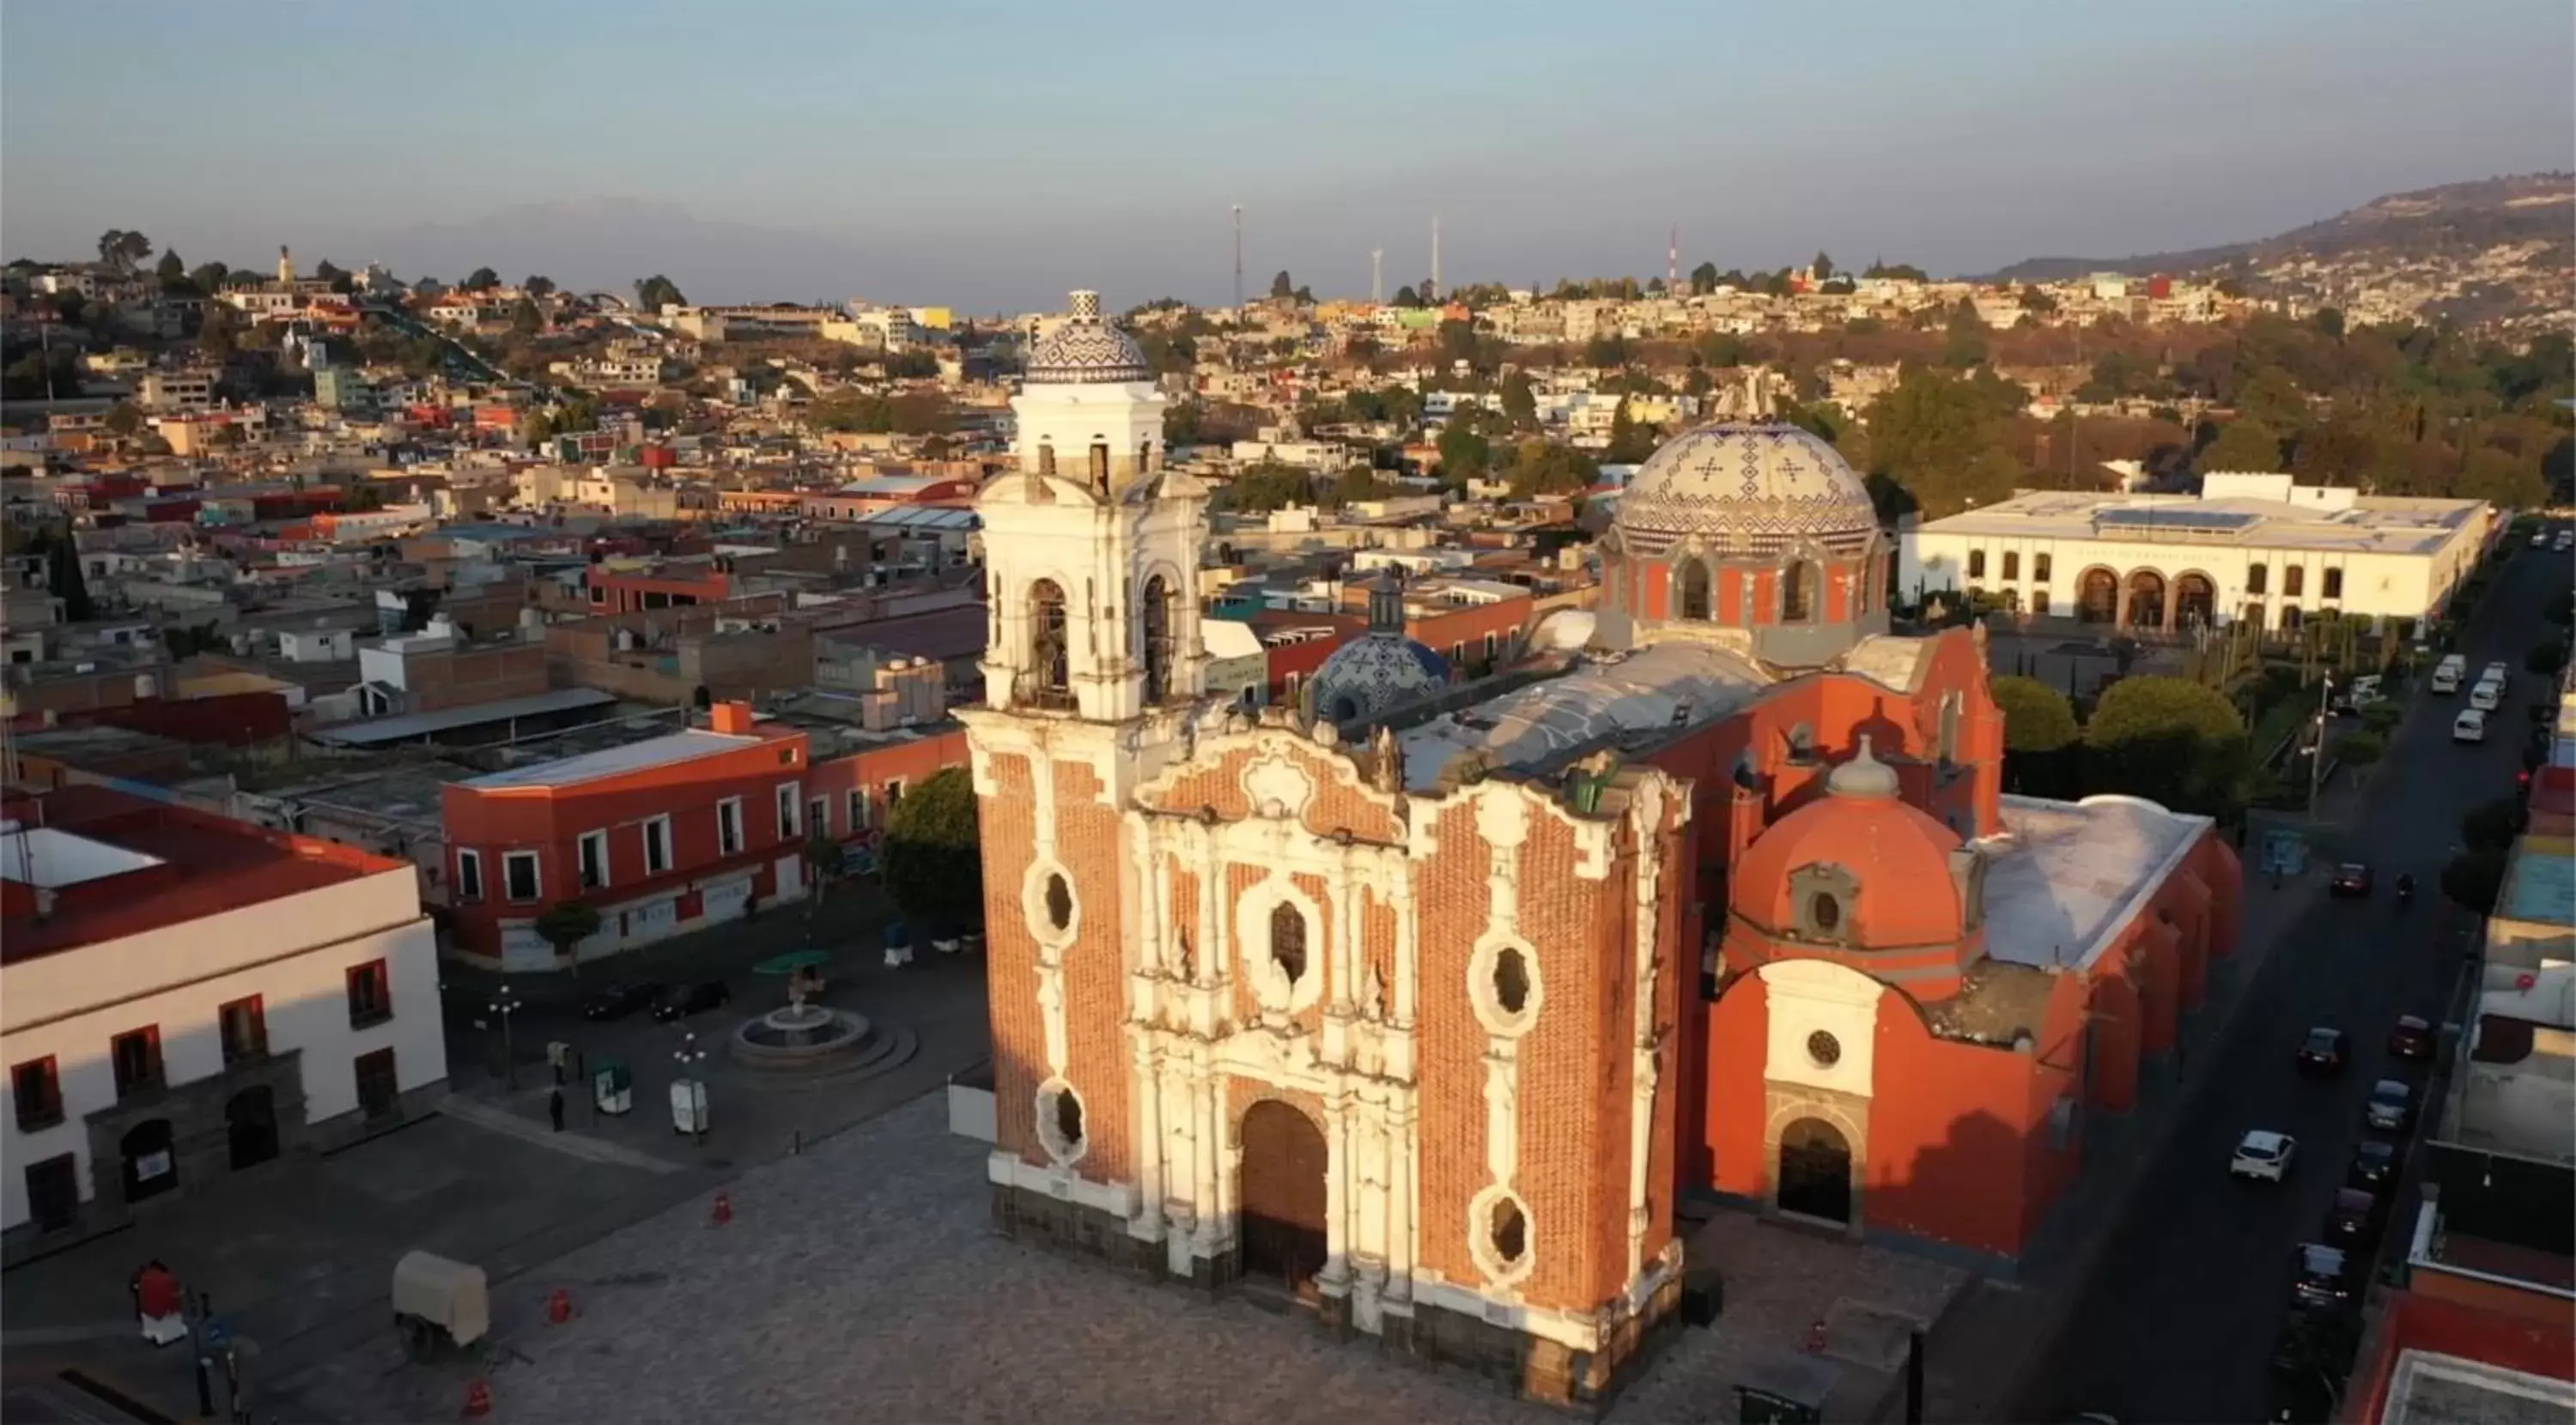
{"x": 2373, "y": 525}
{"x": 2065, "y": 876}
{"x": 378, "y": 732}
{"x": 2430, "y": 1388}
{"x": 668, "y": 750}
{"x": 124, "y": 866}
{"x": 2540, "y": 882}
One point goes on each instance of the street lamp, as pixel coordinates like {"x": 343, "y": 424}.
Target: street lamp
{"x": 2317, "y": 752}
{"x": 688, "y": 1092}
{"x": 505, "y": 1003}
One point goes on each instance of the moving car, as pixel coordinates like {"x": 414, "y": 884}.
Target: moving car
{"x": 2322, "y": 1277}
{"x": 621, "y": 998}
{"x": 2540, "y": 539}
{"x": 2497, "y": 672}
{"x": 2374, "y": 1166}
{"x": 2566, "y": 540}
{"x": 2411, "y": 1039}
{"x": 2470, "y": 726}
{"x": 689, "y": 999}
{"x": 2487, "y": 696}
{"x": 2263, "y": 1155}
{"x": 2391, "y": 1106}
{"x": 2353, "y": 1218}
{"x": 2352, "y": 878}
{"x": 2448, "y": 673}
{"x": 2323, "y": 1051}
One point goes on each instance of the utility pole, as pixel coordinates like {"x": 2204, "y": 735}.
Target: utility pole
{"x": 1673, "y": 262}
{"x": 1434, "y": 294}
{"x": 1238, "y": 257}
{"x": 1377, "y": 275}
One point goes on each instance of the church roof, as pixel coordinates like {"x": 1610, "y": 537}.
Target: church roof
{"x": 2064, "y": 877}
{"x": 1745, "y": 487}
{"x": 1087, "y": 349}
{"x": 1668, "y": 685}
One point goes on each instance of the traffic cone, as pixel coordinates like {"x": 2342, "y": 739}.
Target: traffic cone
{"x": 724, "y": 1209}
{"x": 478, "y": 1400}
{"x": 558, "y": 1307}
{"x": 1816, "y": 1337}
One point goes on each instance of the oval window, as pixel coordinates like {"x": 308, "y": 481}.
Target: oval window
{"x": 1510, "y": 1231}
{"x": 1288, "y": 940}
{"x": 1825, "y": 1049}
{"x": 1511, "y": 980}
{"x": 1059, "y": 902}
{"x": 1068, "y": 1120}
{"x": 1824, "y": 912}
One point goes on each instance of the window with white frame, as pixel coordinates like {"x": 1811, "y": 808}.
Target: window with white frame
{"x": 729, "y": 826}
{"x": 594, "y": 859}
{"x": 858, "y": 809}
{"x": 818, "y": 815}
{"x": 790, "y": 798}
{"x": 469, "y": 875}
{"x": 519, "y": 880}
{"x": 657, "y": 845}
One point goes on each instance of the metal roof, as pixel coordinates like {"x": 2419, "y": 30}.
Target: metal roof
{"x": 403, "y": 729}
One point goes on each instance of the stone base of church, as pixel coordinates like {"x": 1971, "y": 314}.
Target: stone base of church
{"x": 1062, "y": 1225}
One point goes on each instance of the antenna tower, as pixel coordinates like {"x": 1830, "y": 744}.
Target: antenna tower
{"x": 1377, "y": 275}
{"x": 1238, "y": 256}
{"x": 1434, "y": 294}
{"x": 1673, "y": 262}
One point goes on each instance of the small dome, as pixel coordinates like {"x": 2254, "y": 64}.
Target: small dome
{"x": 1864, "y": 776}
{"x": 1087, "y": 350}
{"x": 1888, "y": 861}
{"x": 1372, "y": 675}
{"x": 1745, "y": 487}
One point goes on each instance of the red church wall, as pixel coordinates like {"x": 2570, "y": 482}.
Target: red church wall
{"x": 2224, "y": 873}
{"x": 1952, "y": 1128}
{"x": 1725, "y": 1151}
{"x": 1010, "y": 964}
{"x": 1096, "y": 1059}
{"x": 2115, "y": 1042}
{"x": 2190, "y": 901}
{"x": 2159, "y": 987}
{"x": 2059, "y": 1056}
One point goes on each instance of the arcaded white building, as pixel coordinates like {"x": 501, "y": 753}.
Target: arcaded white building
{"x": 2248, "y": 547}
{"x": 184, "y": 998}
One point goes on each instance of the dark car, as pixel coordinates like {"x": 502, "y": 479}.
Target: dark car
{"x": 621, "y": 999}
{"x": 2354, "y": 1217}
{"x": 2321, "y": 1278}
{"x": 2351, "y": 879}
{"x": 2323, "y": 1051}
{"x": 2310, "y": 1343}
{"x": 2374, "y": 1166}
{"x": 690, "y": 999}
{"x": 2391, "y": 1107}
{"x": 2412, "y": 1038}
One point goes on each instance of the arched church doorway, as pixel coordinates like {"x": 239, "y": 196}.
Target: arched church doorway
{"x": 150, "y": 1159}
{"x": 2146, "y": 599}
{"x": 250, "y": 1119}
{"x": 1815, "y": 1171}
{"x": 1282, "y": 1192}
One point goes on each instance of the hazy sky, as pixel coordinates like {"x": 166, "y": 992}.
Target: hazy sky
{"x": 991, "y": 155}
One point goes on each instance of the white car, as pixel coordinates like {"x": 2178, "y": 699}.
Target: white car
{"x": 2540, "y": 539}
{"x": 2487, "y": 696}
{"x": 2566, "y": 540}
{"x": 2470, "y": 726}
{"x": 2263, "y": 1154}
{"x": 2494, "y": 673}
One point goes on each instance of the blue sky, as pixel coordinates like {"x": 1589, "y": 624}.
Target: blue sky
{"x": 993, "y": 154}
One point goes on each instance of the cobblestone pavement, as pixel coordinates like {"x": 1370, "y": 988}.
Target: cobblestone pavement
{"x": 862, "y": 1282}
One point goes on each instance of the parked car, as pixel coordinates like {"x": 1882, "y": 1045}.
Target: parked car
{"x": 2470, "y": 726}
{"x": 2263, "y": 1155}
{"x": 2353, "y": 1217}
{"x": 2391, "y": 1107}
{"x": 2374, "y": 1166}
{"x": 2412, "y": 1038}
{"x": 2321, "y": 1277}
{"x": 2496, "y": 672}
{"x": 2540, "y": 539}
{"x": 2323, "y": 1051}
{"x": 621, "y": 998}
{"x": 2566, "y": 540}
{"x": 690, "y": 999}
{"x": 2352, "y": 878}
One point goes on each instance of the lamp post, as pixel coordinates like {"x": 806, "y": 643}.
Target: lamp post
{"x": 688, "y": 1090}
{"x": 505, "y": 1003}
{"x": 2317, "y": 752}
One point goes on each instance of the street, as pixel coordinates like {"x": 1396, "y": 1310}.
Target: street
{"x": 2177, "y": 1320}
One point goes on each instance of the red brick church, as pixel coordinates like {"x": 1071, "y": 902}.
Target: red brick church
{"x": 1424, "y": 1003}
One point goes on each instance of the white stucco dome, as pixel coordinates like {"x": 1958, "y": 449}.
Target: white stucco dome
{"x": 1087, "y": 350}
{"x": 1746, "y": 487}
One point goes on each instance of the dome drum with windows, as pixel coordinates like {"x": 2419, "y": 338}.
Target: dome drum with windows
{"x": 1752, "y": 526}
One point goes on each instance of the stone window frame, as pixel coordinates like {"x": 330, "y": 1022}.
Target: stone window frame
{"x": 1271, "y": 988}
{"x": 1059, "y": 1151}
{"x": 1830, "y": 880}
{"x": 1500, "y": 1275}
{"x": 1033, "y": 904}
{"x": 1484, "y": 996}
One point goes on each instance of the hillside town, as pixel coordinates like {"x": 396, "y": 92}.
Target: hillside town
{"x": 1146, "y": 772}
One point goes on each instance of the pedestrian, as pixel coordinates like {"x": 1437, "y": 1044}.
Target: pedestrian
{"x": 555, "y": 1107}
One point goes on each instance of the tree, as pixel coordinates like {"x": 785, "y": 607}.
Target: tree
{"x": 1630, "y": 442}
{"x": 1359, "y": 483}
{"x": 2359, "y": 750}
{"x": 481, "y": 279}
{"x": 209, "y": 277}
{"x": 219, "y": 335}
{"x": 1542, "y": 467}
{"x": 565, "y": 925}
{"x": 525, "y": 319}
{"x": 1281, "y": 289}
{"x": 1184, "y": 423}
{"x": 1520, "y": 403}
{"x": 1407, "y": 297}
{"x": 1267, "y": 485}
{"x": 63, "y": 577}
{"x": 822, "y": 865}
{"x": 2492, "y": 825}
{"x": 2037, "y": 717}
{"x": 123, "y": 250}
{"x": 2171, "y": 741}
{"x": 2475, "y": 878}
{"x": 656, "y": 292}
{"x": 1822, "y": 268}
{"x": 123, "y": 419}
{"x": 2035, "y": 298}
{"x": 2547, "y": 658}
{"x": 538, "y": 287}
{"x": 2241, "y": 444}
{"x": 1703, "y": 278}
{"x": 1940, "y": 439}
{"x": 173, "y": 267}
{"x": 934, "y": 866}
{"x": 1464, "y": 453}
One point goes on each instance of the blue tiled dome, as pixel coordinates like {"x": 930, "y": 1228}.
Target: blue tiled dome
{"x": 1372, "y": 675}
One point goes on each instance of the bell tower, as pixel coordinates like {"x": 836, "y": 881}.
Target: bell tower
{"x": 1093, "y": 672}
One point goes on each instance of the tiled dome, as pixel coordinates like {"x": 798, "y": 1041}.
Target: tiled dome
{"x": 1745, "y": 487}
{"x": 1087, "y": 349}
{"x": 1373, "y": 675}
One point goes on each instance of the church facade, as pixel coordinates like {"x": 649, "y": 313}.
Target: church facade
{"x": 1422, "y": 1004}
